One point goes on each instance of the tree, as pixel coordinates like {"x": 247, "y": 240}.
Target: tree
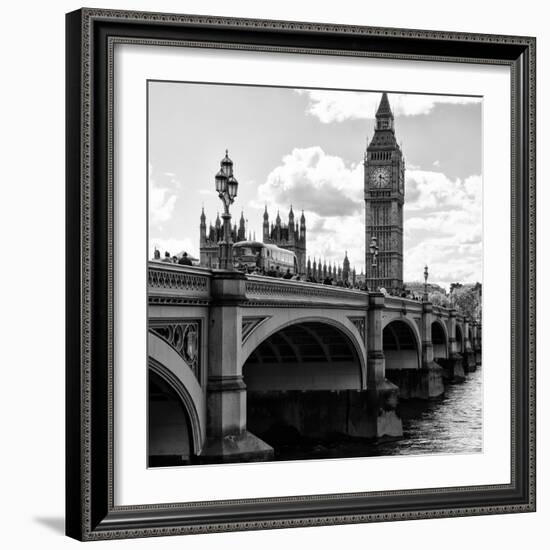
{"x": 438, "y": 299}
{"x": 467, "y": 299}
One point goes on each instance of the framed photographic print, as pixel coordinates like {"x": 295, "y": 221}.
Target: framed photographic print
{"x": 300, "y": 268}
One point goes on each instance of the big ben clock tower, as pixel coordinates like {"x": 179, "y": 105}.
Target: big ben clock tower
{"x": 384, "y": 198}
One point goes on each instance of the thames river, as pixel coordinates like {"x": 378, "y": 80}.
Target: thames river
{"x": 451, "y": 424}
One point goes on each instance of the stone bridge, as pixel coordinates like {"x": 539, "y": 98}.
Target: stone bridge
{"x": 231, "y": 356}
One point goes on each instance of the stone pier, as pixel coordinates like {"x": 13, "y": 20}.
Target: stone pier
{"x": 469, "y": 358}
{"x": 324, "y": 414}
{"x": 477, "y": 343}
{"x": 381, "y": 395}
{"x": 453, "y": 367}
{"x": 227, "y": 437}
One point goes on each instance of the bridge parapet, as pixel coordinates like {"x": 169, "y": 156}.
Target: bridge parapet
{"x": 268, "y": 289}
{"x": 394, "y": 303}
{"x": 177, "y": 284}
{"x": 440, "y": 311}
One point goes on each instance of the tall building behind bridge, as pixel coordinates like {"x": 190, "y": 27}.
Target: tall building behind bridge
{"x": 384, "y": 189}
{"x": 291, "y": 236}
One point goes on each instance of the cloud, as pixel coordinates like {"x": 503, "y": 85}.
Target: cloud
{"x": 310, "y": 179}
{"x": 330, "y": 238}
{"x": 429, "y": 190}
{"x": 162, "y": 197}
{"x": 331, "y": 194}
{"x": 443, "y": 227}
{"x": 161, "y": 205}
{"x": 336, "y": 106}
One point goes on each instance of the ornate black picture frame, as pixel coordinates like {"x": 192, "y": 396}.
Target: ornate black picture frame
{"x": 90, "y": 510}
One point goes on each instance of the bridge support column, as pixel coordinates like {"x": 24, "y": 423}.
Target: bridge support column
{"x": 379, "y": 417}
{"x": 227, "y": 437}
{"x": 453, "y": 369}
{"x": 477, "y": 343}
{"x": 469, "y": 356}
{"x": 431, "y": 374}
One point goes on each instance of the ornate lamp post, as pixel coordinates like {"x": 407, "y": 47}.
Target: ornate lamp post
{"x": 373, "y": 249}
{"x": 226, "y": 186}
{"x": 425, "y": 297}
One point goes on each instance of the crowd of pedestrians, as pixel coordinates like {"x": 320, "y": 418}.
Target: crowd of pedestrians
{"x": 277, "y": 272}
{"x": 168, "y": 258}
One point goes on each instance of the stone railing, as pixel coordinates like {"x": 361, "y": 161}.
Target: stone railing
{"x": 440, "y": 311}
{"x": 270, "y": 289}
{"x": 402, "y": 304}
{"x": 169, "y": 283}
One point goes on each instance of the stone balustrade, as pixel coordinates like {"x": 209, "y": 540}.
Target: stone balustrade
{"x": 177, "y": 284}
{"x": 269, "y": 289}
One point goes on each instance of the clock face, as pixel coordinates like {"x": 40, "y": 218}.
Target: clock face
{"x": 380, "y": 177}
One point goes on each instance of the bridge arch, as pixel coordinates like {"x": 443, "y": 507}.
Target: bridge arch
{"x": 344, "y": 334}
{"x": 440, "y": 340}
{"x": 301, "y": 380}
{"x": 401, "y": 343}
{"x": 170, "y": 375}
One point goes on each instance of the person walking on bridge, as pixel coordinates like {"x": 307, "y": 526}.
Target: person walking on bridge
{"x": 184, "y": 260}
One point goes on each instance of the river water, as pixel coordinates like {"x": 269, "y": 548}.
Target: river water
{"x": 450, "y": 424}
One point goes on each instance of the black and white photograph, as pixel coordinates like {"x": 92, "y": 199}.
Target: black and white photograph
{"x": 314, "y": 273}
{"x": 300, "y": 276}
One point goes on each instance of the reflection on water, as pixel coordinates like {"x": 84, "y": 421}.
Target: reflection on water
{"x": 451, "y": 424}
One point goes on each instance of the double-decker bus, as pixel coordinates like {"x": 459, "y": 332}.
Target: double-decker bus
{"x": 267, "y": 259}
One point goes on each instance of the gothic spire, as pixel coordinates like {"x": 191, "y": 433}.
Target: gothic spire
{"x": 346, "y": 261}
{"x": 384, "y": 132}
{"x": 384, "y": 109}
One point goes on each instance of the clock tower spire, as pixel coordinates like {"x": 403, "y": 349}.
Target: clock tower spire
{"x": 384, "y": 197}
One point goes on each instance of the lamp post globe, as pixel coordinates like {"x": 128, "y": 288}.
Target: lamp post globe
{"x": 221, "y": 182}
{"x": 232, "y": 187}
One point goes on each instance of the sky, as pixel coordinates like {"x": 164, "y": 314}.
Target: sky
{"x": 305, "y": 148}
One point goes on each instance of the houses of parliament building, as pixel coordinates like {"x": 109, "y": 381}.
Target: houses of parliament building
{"x": 290, "y": 236}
